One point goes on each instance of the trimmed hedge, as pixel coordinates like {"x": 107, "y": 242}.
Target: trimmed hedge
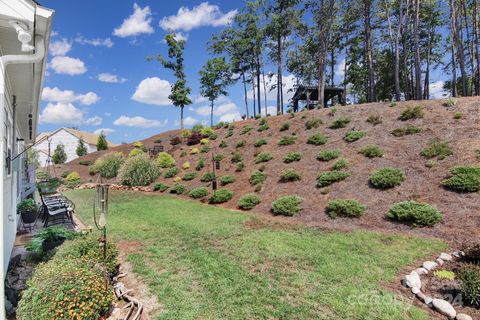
{"x": 257, "y": 177}
{"x": 220, "y": 196}
{"x": 178, "y": 189}
{"x": 197, "y": 193}
{"x": 287, "y": 206}
{"x": 248, "y": 201}
{"x": 327, "y": 178}
{"x": 463, "y": 179}
{"x": 419, "y": 214}
{"x": 207, "y": 177}
{"x": 386, "y": 178}
{"x": 347, "y": 208}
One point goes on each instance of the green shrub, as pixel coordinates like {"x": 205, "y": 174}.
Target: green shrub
{"x": 65, "y": 173}
{"x": 347, "y": 208}
{"x": 450, "y": 102}
{"x": 240, "y": 166}
{"x": 374, "y": 119}
{"x": 189, "y": 176}
{"x": 240, "y": 144}
{"x": 327, "y": 178}
{"x": 165, "y": 160}
{"x": 420, "y": 214}
{"x": 470, "y": 284}
{"x": 135, "y": 152}
{"x": 197, "y": 193}
{"x": 178, "y": 188}
{"x": 248, "y": 201}
{"x": 160, "y": 187}
{"x": 85, "y": 162}
{"x": 412, "y": 113}
{"x": 236, "y": 157}
{"x": 200, "y": 164}
{"x": 170, "y": 173}
{"x": 220, "y": 196}
{"x": 386, "y": 178}
{"x": 287, "y": 206}
{"x": 313, "y": 123}
{"x": 263, "y": 157}
{"x": 109, "y": 164}
{"x": 458, "y": 115}
{"x": 287, "y": 140}
{"x": 463, "y": 179}
{"x": 227, "y": 180}
{"x": 260, "y": 142}
{"x": 285, "y": 126}
{"x": 140, "y": 145}
{"x": 245, "y": 130}
{"x": 327, "y": 155}
{"x": 208, "y": 132}
{"x": 317, "y": 139}
{"x": 223, "y": 144}
{"x": 205, "y": 149}
{"x": 158, "y": 140}
{"x": 400, "y": 132}
{"x": 289, "y": 175}
{"x": 257, "y": 177}
{"x": 372, "y": 151}
{"x": 183, "y": 154}
{"x": 73, "y": 179}
{"x": 341, "y": 122}
{"x": 218, "y": 157}
{"x": 207, "y": 177}
{"x": 263, "y": 127}
{"x": 340, "y": 164}
{"x": 353, "y": 135}
{"x": 59, "y": 155}
{"x": 229, "y": 133}
{"x": 292, "y": 156}
{"x": 437, "y": 149}
{"x": 138, "y": 171}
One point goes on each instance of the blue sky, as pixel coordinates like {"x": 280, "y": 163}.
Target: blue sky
{"x": 98, "y": 77}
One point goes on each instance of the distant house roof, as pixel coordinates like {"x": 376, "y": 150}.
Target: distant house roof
{"x": 87, "y": 137}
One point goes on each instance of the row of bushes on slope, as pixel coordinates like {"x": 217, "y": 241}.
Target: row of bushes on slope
{"x": 71, "y": 285}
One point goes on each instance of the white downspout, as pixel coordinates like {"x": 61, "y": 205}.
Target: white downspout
{"x": 4, "y": 62}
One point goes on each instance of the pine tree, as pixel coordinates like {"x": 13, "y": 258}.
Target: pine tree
{"x": 59, "y": 155}
{"x": 81, "y": 148}
{"x": 102, "y": 142}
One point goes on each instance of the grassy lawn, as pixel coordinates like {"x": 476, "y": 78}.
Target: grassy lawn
{"x": 205, "y": 263}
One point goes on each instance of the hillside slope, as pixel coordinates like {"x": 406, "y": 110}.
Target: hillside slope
{"x": 460, "y": 211}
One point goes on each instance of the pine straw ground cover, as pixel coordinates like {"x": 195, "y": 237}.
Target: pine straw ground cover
{"x": 207, "y": 262}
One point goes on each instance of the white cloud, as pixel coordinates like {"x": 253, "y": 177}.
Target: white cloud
{"x": 222, "y": 109}
{"x": 229, "y": 117}
{"x": 153, "y": 91}
{"x": 271, "y": 110}
{"x": 340, "y": 69}
{"x": 288, "y": 84}
{"x": 68, "y": 96}
{"x": 190, "y": 121}
{"x": 66, "y": 114}
{"x": 138, "y": 122}
{"x": 60, "y": 47}
{"x": 181, "y": 36}
{"x": 437, "y": 91}
{"x": 204, "y": 14}
{"x": 96, "y": 42}
{"x": 137, "y": 23}
{"x": 67, "y": 65}
{"x": 110, "y": 78}
{"x": 106, "y": 131}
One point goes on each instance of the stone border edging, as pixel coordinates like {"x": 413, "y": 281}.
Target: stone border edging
{"x": 414, "y": 282}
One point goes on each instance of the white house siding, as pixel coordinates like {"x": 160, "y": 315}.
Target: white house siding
{"x": 64, "y": 137}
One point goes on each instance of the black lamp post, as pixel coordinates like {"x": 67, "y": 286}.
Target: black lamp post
{"x": 215, "y": 166}
{"x": 101, "y": 204}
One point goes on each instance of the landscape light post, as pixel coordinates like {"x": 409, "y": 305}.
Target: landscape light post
{"x": 215, "y": 166}
{"x": 101, "y": 204}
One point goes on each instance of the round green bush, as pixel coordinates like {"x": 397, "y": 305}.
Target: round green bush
{"x": 386, "y": 178}
{"x": 189, "y": 176}
{"x": 248, "y": 201}
{"x": 178, "y": 188}
{"x": 463, "y": 179}
{"x": 327, "y": 178}
{"x": 160, "y": 187}
{"x": 372, "y": 151}
{"x": 207, "y": 177}
{"x": 135, "y": 152}
{"x": 313, "y": 123}
{"x": 327, "y": 155}
{"x": 470, "y": 287}
{"x": 170, "y": 173}
{"x": 340, "y": 164}
{"x": 347, "y": 208}
{"x": 287, "y": 206}
{"x": 140, "y": 145}
{"x": 420, "y": 214}
{"x": 340, "y": 123}
{"x": 353, "y": 135}
{"x": 257, "y": 177}
{"x": 263, "y": 157}
{"x": 166, "y": 160}
{"x": 197, "y": 193}
{"x": 287, "y": 140}
{"x": 289, "y": 175}
{"x": 138, "y": 171}
{"x": 73, "y": 179}
{"x": 109, "y": 164}
{"x": 292, "y": 156}
{"x": 227, "y": 180}
{"x": 317, "y": 139}
{"x": 221, "y": 196}
{"x": 260, "y": 142}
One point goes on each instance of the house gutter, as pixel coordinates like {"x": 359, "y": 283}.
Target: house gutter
{"x": 5, "y": 61}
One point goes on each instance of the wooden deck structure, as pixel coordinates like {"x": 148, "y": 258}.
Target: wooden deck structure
{"x": 309, "y": 94}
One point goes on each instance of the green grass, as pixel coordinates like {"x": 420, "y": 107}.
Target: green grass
{"x": 203, "y": 262}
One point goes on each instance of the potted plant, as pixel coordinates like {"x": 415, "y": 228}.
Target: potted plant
{"x": 54, "y": 236}
{"x": 27, "y": 209}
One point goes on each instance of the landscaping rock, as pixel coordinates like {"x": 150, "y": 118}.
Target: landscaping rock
{"x": 421, "y": 271}
{"x": 439, "y": 261}
{"x": 463, "y": 316}
{"x": 415, "y": 290}
{"x": 444, "y": 308}
{"x": 445, "y": 256}
{"x": 430, "y": 265}
{"x": 424, "y": 298}
{"x": 413, "y": 280}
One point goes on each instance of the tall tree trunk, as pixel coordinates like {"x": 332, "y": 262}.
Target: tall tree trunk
{"x": 211, "y": 114}
{"x": 453, "y": 31}
{"x": 406, "y": 51}
{"x": 181, "y": 117}
{"x": 460, "y": 50}
{"x": 259, "y": 97}
{"x": 469, "y": 45}
{"x": 254, "y": 96}
{"x": 477, "y": 55}
{"x": 332, "y": 67}
{"x": 264, "y": 89}
{"x": 279, "y": 74}
{"x": 245, "y": 93}
{"x": 426, "y": 84}
{"x": 371, "y": 92}
{"x": 398, "y": 93}
{"x": 418, "y": 63}
{"x": 325, "y": 21}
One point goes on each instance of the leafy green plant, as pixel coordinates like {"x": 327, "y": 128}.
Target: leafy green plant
{"x": 292, "y": 156}
{"x": 317, "y": 139}
{"x": 208, "y": 132}
{"x": 109, "y": 164}
{"x": 347, "y": 208}
{"x": 138, "y": 171}
{"x": 470, "y": 287}
{"x": 205, "y": 149}
{"x": 208, "y": 177}
{"x": 84, "y": 162}
{"x": 458, "y": 115}
{"x": 221, "y": 196}
{"x": 341, "y": 122}
{"x": 450, "y": 102}
{"x": 218, "y": 157}
{"x": 227, "y": 180}
{"x": 327, "y": 178}
{"x": 372, "y": 151}
{"x": 248, "y": 201}
{"x": 263, "y": 157}
{"x": 165, "y": 160}
{"x": 444, "y": 274}
{"x": 289, "y": 175}
{"x": 313, "y": 123}
{"x": 240, "y": 166}
{"x": 340, "y": 164}
{"x": 463, "y": 179}
{"x": 189, "y": 176}
{"x": 158, "y": 140}
{"x": 200, "y": 164}
{"x": 412, "y": 113}
{"x": 408, "y": 130}
{"x": 178, "y": 188}
{"x": 287, "y": 206}
{"x": 59, "y": 155}
{"x": 27, "y": 205}
{"x": 223, "y": 144}
{"x": 419, "y": 214}
{"x": 257, "y": 177}
{"x": 353, "y": 135}
{"x": 160, "y": 187}
{"x": 135, "y": 152}
{"x": 285, "y": 126}
{"x": 386, "y": 178}
{"x": 197, "y": 193}
{"x": 287, "y": 140}
{"x": 392, "y": 104}
{"x": 260, "y": 142}
{"x": 170, "y": 173}
{"x": 374, "y": 119}
{"x": 263, "y": 127}
{"x": 327, "y": 155}
{"x": 240, "y": 144}
{"x": 73, "y": 179}
{"x": 236, "y": 157}
{"x": 140, "y": 145}
{"x": 437, "y": 149}
{"x": 245, "y": 130}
